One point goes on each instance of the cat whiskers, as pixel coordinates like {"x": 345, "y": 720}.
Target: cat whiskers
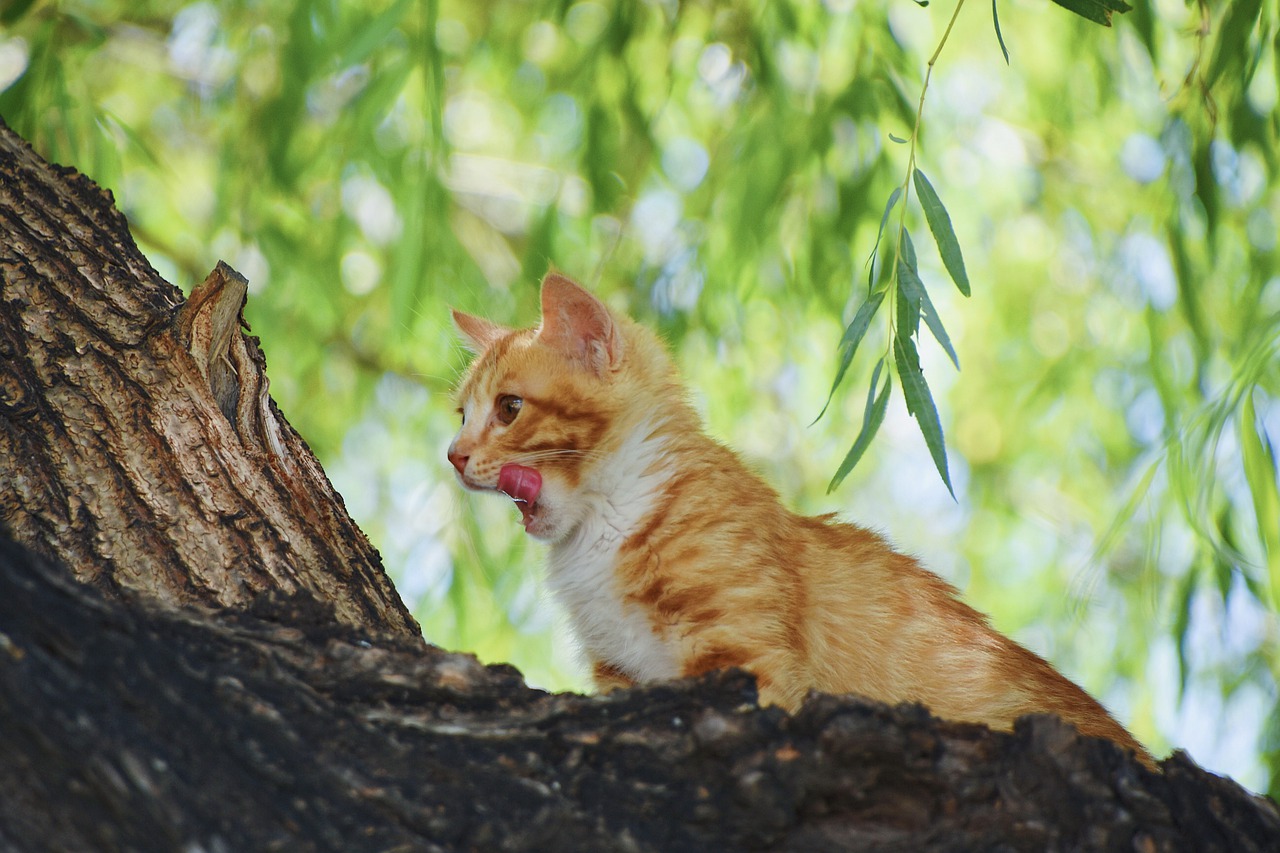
{"x": 544, "y": 455}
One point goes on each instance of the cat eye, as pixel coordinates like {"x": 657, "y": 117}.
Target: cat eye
{"x": 508, "y": 407}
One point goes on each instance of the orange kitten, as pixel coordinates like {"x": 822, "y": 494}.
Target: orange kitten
{"x": 673, "y": 559}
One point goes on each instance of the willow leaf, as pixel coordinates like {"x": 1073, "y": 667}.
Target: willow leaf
{"x": 872, "y": 417}
{"x": 849, "y": 342}
{"x": 1183, "y": 598}
{"x": 995, "y": 18}
{"x": 943, "y": 234}
{"x": 908, "y": 297}
{"x": 1259, "y": 460}
{"x": 373, "y": 34}
{"x": 1098, "y": 11}
{"x": 920, "y": 404}
{"x": 871, "y": 261}
{"x": 910, "y": 282}
{"x": 1232, "y": 50}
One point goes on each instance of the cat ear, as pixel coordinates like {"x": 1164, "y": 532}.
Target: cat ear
{"x": 477, "y": 333}
{"x": 578, "y": 324}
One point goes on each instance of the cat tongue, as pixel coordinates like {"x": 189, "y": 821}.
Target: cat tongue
{"x": 520, "y": 483}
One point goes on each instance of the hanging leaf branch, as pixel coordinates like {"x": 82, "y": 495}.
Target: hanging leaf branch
{"x": 908, "y": 297}
{"x": 905, "y": 291}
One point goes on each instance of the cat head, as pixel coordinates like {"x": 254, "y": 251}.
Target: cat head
{"x": 545, "y": 410}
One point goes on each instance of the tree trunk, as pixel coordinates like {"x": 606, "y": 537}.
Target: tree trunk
{"x": 234, "y": 671}
{"x": 138, "y": 444}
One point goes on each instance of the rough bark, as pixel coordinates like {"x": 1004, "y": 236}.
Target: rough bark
{"x": 138, "y": 728}
{"x": 138, "y": 443}
{"x": 204, "y": 654}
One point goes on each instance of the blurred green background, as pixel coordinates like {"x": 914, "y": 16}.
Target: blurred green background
{"x": 719, "y": 170}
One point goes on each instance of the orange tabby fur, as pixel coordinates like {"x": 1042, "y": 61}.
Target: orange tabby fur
{"x": 673, "y": 559}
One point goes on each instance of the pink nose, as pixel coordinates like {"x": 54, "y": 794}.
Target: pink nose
{"x": 458, "y": 461}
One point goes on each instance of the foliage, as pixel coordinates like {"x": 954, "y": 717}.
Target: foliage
{"x": 721, "y": 171}
{"x": 911, "y": 299}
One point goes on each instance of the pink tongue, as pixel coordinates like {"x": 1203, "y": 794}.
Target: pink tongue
{"x": 520, "y": 483}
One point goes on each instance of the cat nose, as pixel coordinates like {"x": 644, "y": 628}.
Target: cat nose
{"x": 458, "y": 460}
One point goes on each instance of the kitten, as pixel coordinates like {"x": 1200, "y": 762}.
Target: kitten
{"x": 673, "y": 559}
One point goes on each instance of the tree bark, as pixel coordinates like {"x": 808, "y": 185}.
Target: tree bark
{"x": 138, "y": 443}
{"x": 141, "y": 728}
{"x": 199, "y": 649}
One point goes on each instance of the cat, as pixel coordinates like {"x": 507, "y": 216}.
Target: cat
{"x": 673, "y": 559}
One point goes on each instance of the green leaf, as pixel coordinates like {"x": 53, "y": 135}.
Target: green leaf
{"x": 849, "y": 342}
{"x": 367, "y": 39}
{"x": 908, "y": 249}
{"x": 943, "y": 234}
{"x": 908, "y": 310}
{"x": 1225, "y": 553}
{"x": 995, "y": 18}
{"x": 1098, "y": 11}
{"x": 378, "y": 98}
{"x": 872, "y": 417}
{"x": 920, "y": 404}
{"x": 893, "y": 199}
{"x": 1183, "y": 598}
{"x": 897, "y": 139}
{"x": 871, "y": 261}
{"x": 1259, "y": 461}
{"x": 1207, "y": 190}
{"x": 14, "y": 10}
{"x": 918, "y": 296}
{"x": 907, "y": 296}
{"x": 1232, "y": 48}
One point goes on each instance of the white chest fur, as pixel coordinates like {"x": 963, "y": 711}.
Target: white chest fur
{"x": 582, "y": 567}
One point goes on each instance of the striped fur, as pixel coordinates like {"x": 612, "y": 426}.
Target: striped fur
{"x": 672, "y": 558}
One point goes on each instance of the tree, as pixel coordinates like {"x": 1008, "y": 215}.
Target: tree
{"x": 116, "y": 386}
{"x": 722, "y": 169}
{"x": 211, "y": 682}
